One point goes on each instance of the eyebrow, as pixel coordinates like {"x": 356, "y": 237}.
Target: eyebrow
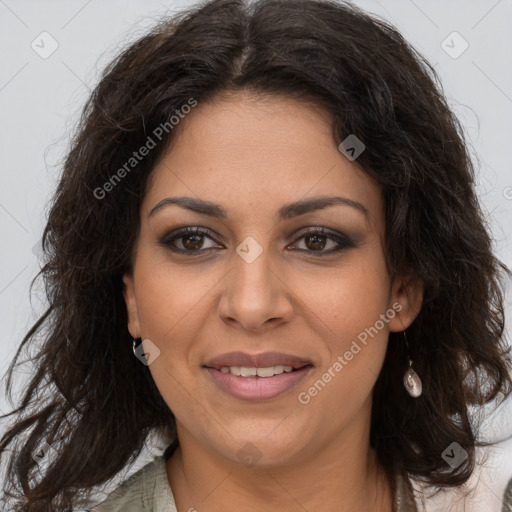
{"x": 288, "y": 211}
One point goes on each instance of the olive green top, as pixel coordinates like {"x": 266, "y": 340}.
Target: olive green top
{"x": 148, "y": 490}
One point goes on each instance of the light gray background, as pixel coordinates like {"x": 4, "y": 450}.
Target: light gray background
{"x": 40, "y": 100}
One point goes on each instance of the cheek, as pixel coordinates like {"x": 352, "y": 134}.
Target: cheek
{"x": 169, "y": 305}
{"x": 351, "y": 315}
{"x": 169, "y": 299}
{"x": 349, "y": 299}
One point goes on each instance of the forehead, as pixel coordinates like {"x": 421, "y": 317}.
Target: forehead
{"x": 258, "y": 152}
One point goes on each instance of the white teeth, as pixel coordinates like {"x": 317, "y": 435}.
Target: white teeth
{"x": 247, "y": 372}
{"x": 270, "y": 371}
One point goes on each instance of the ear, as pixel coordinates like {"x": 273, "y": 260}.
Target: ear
{"x": 408, "y": 292}
{"x": 131, "y": 305}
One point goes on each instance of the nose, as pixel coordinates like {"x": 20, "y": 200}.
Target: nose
{"x": 256, "y": 296}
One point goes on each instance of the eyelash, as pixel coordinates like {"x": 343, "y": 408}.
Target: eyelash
{"x": 167, "y": 240}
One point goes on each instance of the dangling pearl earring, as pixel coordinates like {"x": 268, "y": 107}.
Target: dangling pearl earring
{"x": 412, "y": 381}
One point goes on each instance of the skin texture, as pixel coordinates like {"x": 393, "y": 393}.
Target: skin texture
{"x": 252, "y": 155}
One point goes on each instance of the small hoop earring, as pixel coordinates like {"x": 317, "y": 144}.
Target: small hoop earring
{"x": 134, "y": 340}
{"x": 412, "y": 381}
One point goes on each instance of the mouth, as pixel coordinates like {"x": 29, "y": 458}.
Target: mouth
{"x": 257, "y": 377}
{"x": 262, "y": 372}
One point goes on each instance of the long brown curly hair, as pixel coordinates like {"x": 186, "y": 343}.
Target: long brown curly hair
{"x": 90, "y": 398}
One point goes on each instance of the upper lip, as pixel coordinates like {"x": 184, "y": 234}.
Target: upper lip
{"x": 262, "y": 360}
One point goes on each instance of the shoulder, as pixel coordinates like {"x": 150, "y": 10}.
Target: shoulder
{"x": 488, "y": 490}
{"x": 147, "y": 489}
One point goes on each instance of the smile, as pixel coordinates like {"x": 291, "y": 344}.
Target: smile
{"x": 255, "y": 384}
{"x": 269, "y": 371}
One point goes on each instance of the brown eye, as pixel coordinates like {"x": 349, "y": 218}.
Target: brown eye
{"x": 192, "y": 242}
{"x": 187, "y": 240}
{"x": 316, "y": 240}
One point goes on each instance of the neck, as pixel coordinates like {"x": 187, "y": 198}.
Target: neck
{"x": 340, "y": 476}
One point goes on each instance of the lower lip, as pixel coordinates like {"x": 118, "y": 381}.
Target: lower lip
{"x": 258, "y": 388}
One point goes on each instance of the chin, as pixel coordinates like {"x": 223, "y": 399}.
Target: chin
{"x": 264, "y": 453}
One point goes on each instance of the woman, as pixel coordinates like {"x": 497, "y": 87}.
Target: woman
{"x": 266, "y": 246}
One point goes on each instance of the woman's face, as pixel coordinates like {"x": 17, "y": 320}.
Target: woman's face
{"x": 256, "y": 284}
